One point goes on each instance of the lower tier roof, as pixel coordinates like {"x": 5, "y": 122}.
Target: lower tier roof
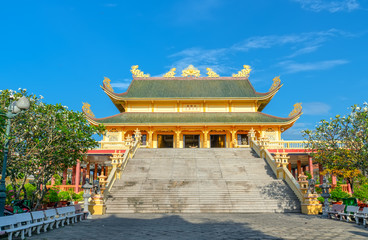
{"x": 128, "y": 118}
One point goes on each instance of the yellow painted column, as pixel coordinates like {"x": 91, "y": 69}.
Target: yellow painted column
{"x": 178, "y": 132}
{"x": 233, "y": 138}
{"x": 205, "y": 139}
{"x": 150, "y": 139}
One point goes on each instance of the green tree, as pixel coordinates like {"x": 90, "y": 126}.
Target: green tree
{"x": 46, "y": 140}
{"x": 341, "y": 144}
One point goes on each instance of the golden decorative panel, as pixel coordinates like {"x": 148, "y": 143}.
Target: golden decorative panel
{"x": 87, "y": 110}
{"x": 138, "y": 73}
{"x": 276, "y": 83}
{"x": 191, "y": 71}
{"x": 107, "y": 84}
{"x": 211, "y": 73}
{"x": 244, "y": 72}
{"x": 297, "y": 109}
{"x": 170, "y": 73}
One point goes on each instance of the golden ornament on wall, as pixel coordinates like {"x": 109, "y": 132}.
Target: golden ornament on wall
{"x": 211, "y": 73}
{"x": 170, "y": 73}
{"x": 138, "y": 73}
{"x": 244, "y": 72}
{"x": 297, "y": 109}
{"x": 276, "y": 83}
{"x": 191, "y": 71}
{"x": 107, "y": 84}
{"x": 87, "y": 110}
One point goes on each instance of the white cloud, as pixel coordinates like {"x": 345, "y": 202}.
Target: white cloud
{"x": 316, "y": 108}
{"x": 294, "y": 67}
{"x": 193, "y": 11}
{"x": 217, "y": 58}
{"x": 121, "y": 85}
{"x": 331, "y": 6}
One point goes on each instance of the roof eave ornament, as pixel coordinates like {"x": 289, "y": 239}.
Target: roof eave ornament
{"x": 87, "y": 110}
{"x": 276, "y": 83}
{"x": 107, "y": 84}
{"x": 211, "y": 73}
{"x": 191, "y": 71}
{"x": 138, "y": 73}
{"x": 296, "y": 111}
{"x": 170, "y": 73}
{"x": 244, "y": 72}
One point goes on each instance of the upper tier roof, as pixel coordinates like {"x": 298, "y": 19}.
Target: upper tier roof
{"x": 188, "y": 88}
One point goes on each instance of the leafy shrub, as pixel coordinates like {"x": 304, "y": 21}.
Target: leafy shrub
{"x": 321, "y": 199}
{"x": 361, "y": 193}
{"x": 30, "y": 189}
{"x": 51, "y": 196}
{"x": 64, "y": 196}
{"x": 77, "y": 196}
{"x": 337, "y": 193}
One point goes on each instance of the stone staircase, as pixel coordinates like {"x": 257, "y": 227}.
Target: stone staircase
{"x": 199, "y": 180}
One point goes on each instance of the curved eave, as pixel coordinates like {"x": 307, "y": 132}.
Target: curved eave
{"x": 265, "y": 99}
{"x": 289, "y": 122}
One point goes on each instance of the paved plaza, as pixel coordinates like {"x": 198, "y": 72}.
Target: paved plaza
{"x": 208, "y": 226}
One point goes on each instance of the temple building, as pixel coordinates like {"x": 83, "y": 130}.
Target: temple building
{"x": 191, "y": 111}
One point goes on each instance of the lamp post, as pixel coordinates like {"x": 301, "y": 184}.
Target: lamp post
{"x": 15, "y": 108}
{"x": 325, "y": 194}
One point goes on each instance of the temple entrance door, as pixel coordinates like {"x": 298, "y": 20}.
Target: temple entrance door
{"x": 165, "y": 141}
{"x": 218, "y": 141}
{"x": 191, "y": 141}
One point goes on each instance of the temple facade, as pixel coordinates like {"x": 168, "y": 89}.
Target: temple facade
{"x": 191, "y": 111}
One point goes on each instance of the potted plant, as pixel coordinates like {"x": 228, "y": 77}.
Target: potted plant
{"x": 77, "y": 197}
{"x": 51, "y": 197}
{"x": 337, "y": 194}
{"x": 64, "y": 197}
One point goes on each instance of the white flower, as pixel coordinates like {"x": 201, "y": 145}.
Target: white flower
{"x": 41, "y": 97}
{"x": 25, "y": 89}
{"x": 19, "y": 89}
{"x": 357, "y": 108}
{"x": 365, "y": 109}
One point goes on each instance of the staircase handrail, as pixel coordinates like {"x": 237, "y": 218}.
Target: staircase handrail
{"x": 117, "y": 169}
{"x": 278, "y": 171}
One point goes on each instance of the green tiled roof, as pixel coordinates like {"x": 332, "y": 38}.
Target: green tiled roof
{"x": 190, "y": 89}
{"x": 188, "y": 118}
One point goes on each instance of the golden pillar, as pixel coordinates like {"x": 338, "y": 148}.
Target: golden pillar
{"x": 205, "y": 139}
{"x": 150, "y": 139}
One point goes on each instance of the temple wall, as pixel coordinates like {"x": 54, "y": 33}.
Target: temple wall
{"x": 191, "y": 106}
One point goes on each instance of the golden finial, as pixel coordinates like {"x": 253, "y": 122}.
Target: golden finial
{"x": 170, "y": 73}
{"x": 211, "y": 73}
{"x": 107, "y": 84}
{"x": 138, "y": 73}
{"x": 244, "y": 72}
{"x": 87, "y": 110}
{"x": 276, "y": 83}
{"x": 297, "y": 109}
{"x": 191, "y": 71}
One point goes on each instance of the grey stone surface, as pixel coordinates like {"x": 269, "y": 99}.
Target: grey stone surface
{"x": 199, "y": 180}
{"x": 208, "y": 226}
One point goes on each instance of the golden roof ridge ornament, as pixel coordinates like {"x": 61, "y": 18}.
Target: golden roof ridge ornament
{"x": 138, "y": 73}
{"x": 191, "y": 71}
{"x": 87, "y": 110}
{"x": 211, "y": 73}
{"x": 244, "y": 72}
{"x": 297, "y": 109}
{"x": 106, "y": 83}
{"x": 170, "y": 73}
{"x": 276, "y": 83}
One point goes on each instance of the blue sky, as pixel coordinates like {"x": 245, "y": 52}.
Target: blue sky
{"x": 63, "y": 49}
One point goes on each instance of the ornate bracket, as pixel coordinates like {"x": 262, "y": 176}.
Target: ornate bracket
{"x": 191, "y": 71}
{"x": 211, "y": 73}
{"x": 87, "y": 110}
{"x": 170, "y": 73}
{"x": 138, "y": 73}
{"x": 244, "y": 72}
{"x": 297, "y": 109}
{"x": 276, "y": 83}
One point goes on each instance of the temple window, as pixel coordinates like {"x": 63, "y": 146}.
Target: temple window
{"x": 242, "y": 139}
